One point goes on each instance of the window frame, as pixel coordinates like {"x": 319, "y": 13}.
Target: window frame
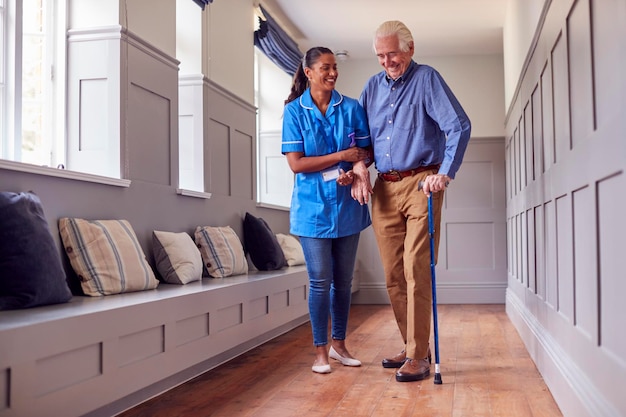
{"x": 53, "y": 78}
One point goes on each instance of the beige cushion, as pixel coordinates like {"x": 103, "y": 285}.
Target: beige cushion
{"x": 221, "y": 250}
{"x": 106, "y": 256}
{"x": 291, "y": 248}
{"x": 177, "y": 257}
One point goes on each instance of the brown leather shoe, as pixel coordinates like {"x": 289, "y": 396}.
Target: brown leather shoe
{"x": 413, "y": 370}
{"x": 396, "y": 361}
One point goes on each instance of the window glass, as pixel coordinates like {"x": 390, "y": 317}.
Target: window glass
{"x": 275, "y": 178}
{"x": 35, "y": 148}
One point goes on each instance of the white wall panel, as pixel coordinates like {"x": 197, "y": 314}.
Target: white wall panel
{"x": 564, "y": 256}
{"x": 217, "y": 154}
{"x": 94, "y": 101}
{"x": 191, "y": 132}
{"x": 241, "y": 153}
{"x": 552, "y": 297}
{"x": 581, "y": 77}
{"x": 540, "y": 242}
{"x": 560, "y": 88}
{"x": 585, "y": 266}
{"x": 612, "y": 275}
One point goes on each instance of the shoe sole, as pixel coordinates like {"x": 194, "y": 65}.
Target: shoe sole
{"x": 410, "y": 378}
{"x": 393, "y": 364}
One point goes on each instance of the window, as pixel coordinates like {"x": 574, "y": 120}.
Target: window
{"x": 32, "y": 109}
{"x": 3, "y": 53}
{"x": 275, "y": 178}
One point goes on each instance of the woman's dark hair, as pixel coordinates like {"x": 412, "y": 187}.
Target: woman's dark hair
{"x": 299, "y": 84}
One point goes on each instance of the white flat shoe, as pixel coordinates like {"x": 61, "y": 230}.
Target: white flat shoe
{"x": 321, "y": 369}
{"x": 345, "y": 361}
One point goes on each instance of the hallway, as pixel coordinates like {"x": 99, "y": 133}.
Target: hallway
{"x": 485, "y": 368}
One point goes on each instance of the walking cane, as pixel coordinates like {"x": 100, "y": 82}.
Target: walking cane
{"x": 431, "y": 234}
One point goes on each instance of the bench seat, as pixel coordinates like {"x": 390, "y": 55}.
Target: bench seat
{"x": 97, "y": 356}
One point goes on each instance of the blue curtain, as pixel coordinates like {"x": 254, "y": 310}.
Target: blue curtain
{"x": 274, "y": 42}
{"x": 202, "y": 3}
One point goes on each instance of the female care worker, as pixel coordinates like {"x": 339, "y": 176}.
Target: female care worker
{"x": 324, "y": 136}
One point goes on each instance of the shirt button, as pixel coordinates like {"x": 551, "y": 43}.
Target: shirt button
{"x": 388, "y": 138}
{"x": 391, "y": 105}
{"x": 390, "y": 121}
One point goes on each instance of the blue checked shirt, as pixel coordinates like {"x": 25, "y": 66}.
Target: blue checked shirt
{"x": 415, "y": 121}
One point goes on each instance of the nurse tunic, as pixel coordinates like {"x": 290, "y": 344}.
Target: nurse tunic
{"x": 322, "y": 208}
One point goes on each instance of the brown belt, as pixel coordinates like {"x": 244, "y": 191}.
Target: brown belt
{"x": 393, "y": 175}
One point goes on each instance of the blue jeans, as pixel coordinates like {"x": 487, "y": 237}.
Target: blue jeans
{"x": 330, "y": 265}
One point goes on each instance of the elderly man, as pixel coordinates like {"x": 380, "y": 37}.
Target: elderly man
{"x": 419, "y": 134}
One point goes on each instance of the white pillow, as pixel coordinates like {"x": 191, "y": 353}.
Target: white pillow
{"x": 177, "y": 258}
{"x": 291, "y": 248}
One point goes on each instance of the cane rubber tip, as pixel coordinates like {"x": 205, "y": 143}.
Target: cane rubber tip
{"x": 438, "y": 380}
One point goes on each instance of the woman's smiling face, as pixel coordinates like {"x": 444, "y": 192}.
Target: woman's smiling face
{"x": 323, "y": 73}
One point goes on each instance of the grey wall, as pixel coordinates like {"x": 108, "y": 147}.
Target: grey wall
{"x": 566, "y": 160}
{"x": 148, "y": 133}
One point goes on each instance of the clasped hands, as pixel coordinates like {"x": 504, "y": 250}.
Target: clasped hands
{"x": 359, "y": 178}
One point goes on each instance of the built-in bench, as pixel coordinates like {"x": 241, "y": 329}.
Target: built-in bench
{"x": 97, "y": 356}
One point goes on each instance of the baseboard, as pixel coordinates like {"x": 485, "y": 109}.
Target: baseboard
{"x": 447, "y": 293}
{"x": 573, "y": 391}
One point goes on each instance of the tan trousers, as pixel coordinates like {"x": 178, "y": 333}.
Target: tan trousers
{"x": 400, "y": 223}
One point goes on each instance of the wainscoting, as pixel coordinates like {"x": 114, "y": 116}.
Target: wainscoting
{"x": 472, "y": 258}
{"x": 565, "y": 161}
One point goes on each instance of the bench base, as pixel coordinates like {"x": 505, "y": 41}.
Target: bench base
{"x": 99, "y": 356}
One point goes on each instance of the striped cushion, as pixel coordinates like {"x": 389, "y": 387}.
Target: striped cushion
{"x": 221, "y": 250}
{"x": 106, "y": 256}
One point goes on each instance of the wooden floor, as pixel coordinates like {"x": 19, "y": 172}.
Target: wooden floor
{"x": 485, "y": 368}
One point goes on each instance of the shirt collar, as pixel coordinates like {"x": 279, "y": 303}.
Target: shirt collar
{"x": 406, "y": 75}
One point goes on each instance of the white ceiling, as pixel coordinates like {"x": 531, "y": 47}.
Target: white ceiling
{"x": 439, "y": 27}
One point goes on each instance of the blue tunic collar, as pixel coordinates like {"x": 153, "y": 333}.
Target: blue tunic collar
{"x": 306, "y": 101}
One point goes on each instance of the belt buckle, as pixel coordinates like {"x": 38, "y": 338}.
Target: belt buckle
{"x": 395, "y": 174}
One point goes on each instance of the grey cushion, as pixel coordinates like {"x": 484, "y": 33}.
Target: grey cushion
{"x": 31, "y": 272}
{"x": 262, "y": 245}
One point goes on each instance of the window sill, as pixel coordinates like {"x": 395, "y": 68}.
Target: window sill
{"x": 273, "y": 206}
{"x": 191, "y": 193}
{"x": 62, "y": 173}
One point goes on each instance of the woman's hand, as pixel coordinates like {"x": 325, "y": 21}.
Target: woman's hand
{"x": 345, "y": 178}
{"x": 354, "y": 154}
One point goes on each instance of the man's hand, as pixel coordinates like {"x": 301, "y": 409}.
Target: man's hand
{"x": 361, "y": 187}
{"x": 436, "y": 182}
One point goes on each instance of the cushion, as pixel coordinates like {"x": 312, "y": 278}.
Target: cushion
{"x": 177, "y": 258}
{"x": 221, "y": 250}
{"x": 291, "y": 248}
{"x": 106, "y": 256}
{"x": 260, "y": 242}
{"x": 31, "y": 271}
